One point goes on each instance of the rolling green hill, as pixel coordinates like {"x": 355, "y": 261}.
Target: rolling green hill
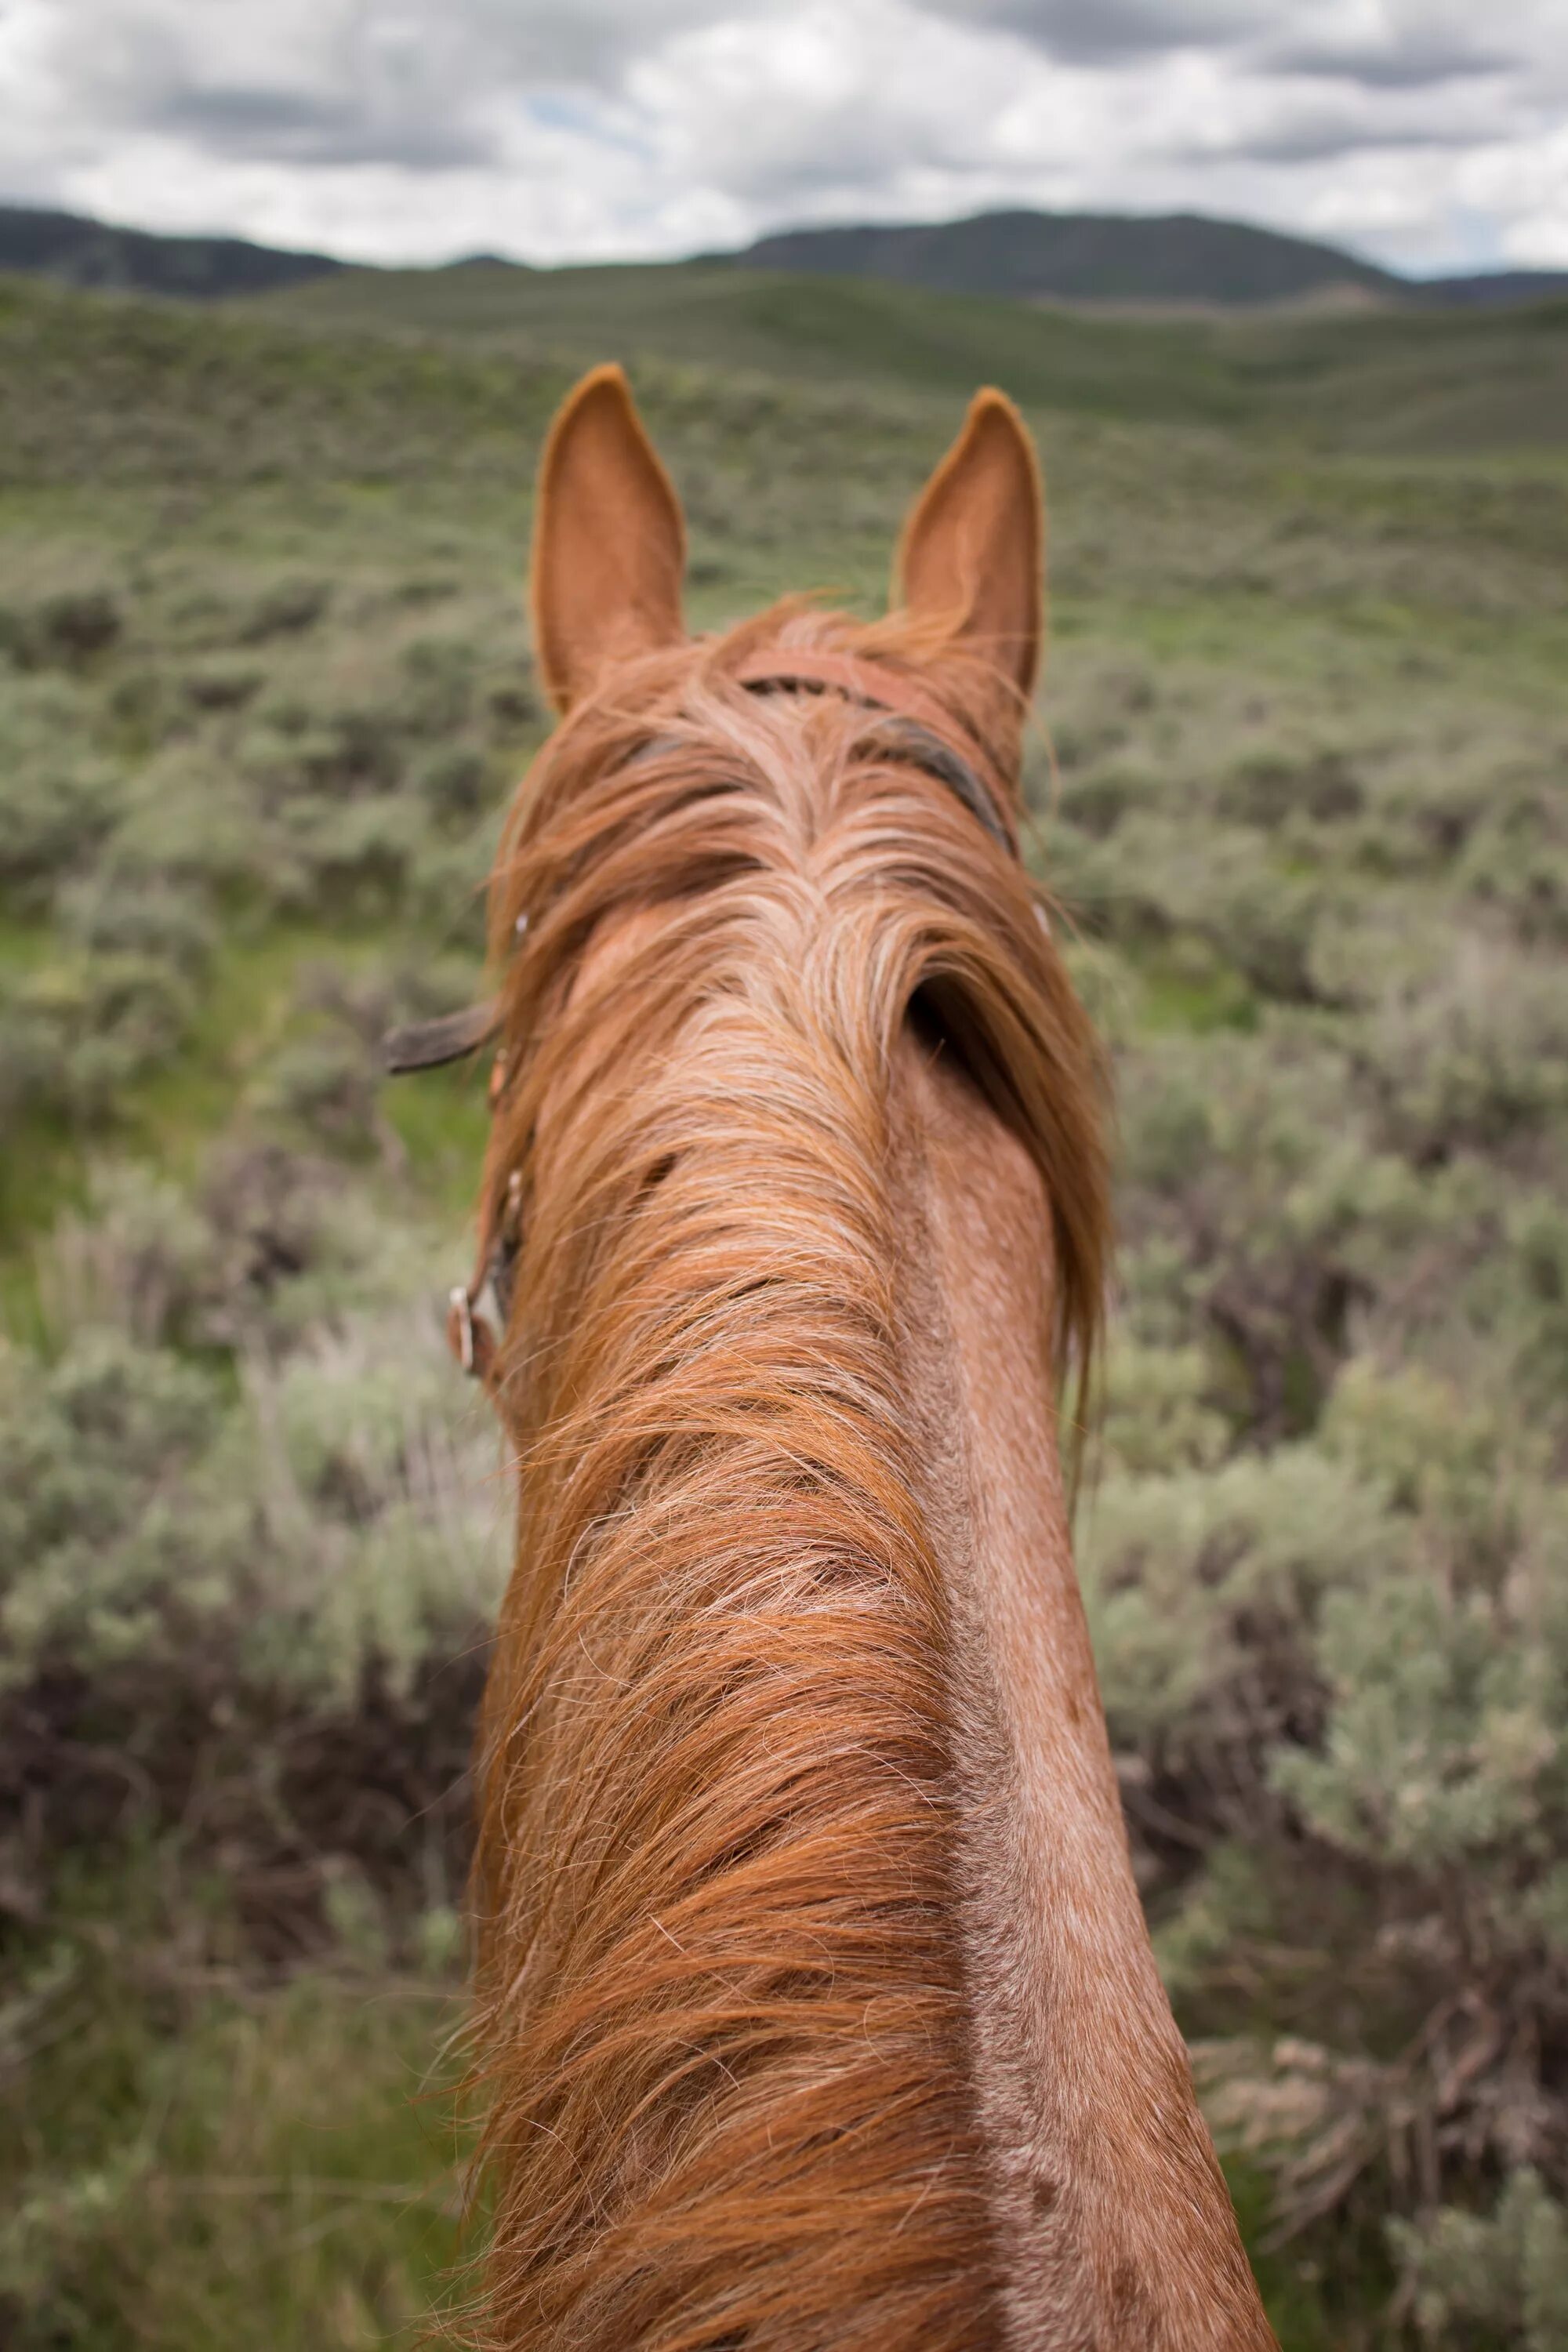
{"x": 706, "y": 314}
{"x": 1417, "y": 380}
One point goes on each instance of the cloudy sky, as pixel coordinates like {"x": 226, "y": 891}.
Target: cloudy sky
{"x": 1430, "y": 134}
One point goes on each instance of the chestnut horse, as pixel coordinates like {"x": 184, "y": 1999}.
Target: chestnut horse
{"x": 816, "y": 2000}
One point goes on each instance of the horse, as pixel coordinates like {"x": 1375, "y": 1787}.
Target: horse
{"x": 813, "y": 1990}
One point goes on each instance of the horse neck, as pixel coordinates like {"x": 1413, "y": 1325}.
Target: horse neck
{"x": 1112, "y": 2225}
{"x": 813, "y": 1982}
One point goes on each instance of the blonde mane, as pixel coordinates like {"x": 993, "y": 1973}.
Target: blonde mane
{"x": 721, "y": 1991}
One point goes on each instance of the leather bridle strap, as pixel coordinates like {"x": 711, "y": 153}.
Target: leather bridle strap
{"x": 935, "y": 740}
{"x": 427, "y": 1044}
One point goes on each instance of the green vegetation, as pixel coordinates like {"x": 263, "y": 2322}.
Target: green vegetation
{"x": 1412, "y": 383}
{"x": 262, "y": 694}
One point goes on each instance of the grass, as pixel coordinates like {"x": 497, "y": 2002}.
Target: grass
{"x": 202, "y": 2162}
{"x": 1420, "y": 381}
{"x": 1308, "y": 708}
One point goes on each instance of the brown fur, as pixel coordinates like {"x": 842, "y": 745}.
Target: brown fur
{"x": 720, "y": 1955}
{"x": 742, "y": 1987}
{"x": 609, "y": 542}
{"x": 1112, "y": 2222}
{"x": 972, "y": 550}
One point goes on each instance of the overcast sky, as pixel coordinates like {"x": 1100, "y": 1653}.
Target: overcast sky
{"x": 1429, "y": 134}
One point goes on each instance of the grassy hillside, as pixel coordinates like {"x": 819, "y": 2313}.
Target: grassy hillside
{"x": 1406, "y": 382}
{"x": 813, "y": 329}
{"x": 263, "y": 691}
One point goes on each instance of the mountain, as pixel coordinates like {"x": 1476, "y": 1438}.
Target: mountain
{"x": 1492, "y": 289}
{"x": 88, "y": 253}
{"x": 1081, "y": 257}
{"x": 1177, "y": 260}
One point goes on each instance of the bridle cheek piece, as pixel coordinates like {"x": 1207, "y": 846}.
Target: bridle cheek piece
{"x": 914, "y": 727}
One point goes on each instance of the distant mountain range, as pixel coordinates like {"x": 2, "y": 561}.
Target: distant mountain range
{"x": 1175, "y": 260}
{"x": 1166, "y": 257}
{"x": 1080, "y": 257}
{"x": 88, "y": 253}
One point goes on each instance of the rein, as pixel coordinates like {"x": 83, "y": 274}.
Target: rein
{"x": 924, "y": 734}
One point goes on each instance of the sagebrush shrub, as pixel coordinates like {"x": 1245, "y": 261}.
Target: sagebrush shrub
{"x": 58, "y": 794}
{"x": 262, "y": 699}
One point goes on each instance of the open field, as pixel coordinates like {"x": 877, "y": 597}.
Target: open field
{"x": 263, "y": 690}
{"x": 1406, "y": 382}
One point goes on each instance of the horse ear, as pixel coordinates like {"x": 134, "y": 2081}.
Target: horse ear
{"x": 609, "y": 543}
{"x": 972, "y": 557}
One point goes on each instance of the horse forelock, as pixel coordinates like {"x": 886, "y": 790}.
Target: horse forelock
{"x": 722, "y": 1998}
{"x": 676, "y": 782}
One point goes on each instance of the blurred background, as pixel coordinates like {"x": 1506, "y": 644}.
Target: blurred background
{"x": 286, "y": 296}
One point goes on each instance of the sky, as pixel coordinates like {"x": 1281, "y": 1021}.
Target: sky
{"x": 1426, "y": 135}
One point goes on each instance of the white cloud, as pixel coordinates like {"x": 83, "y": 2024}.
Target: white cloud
{"x": 1426, "y": 131}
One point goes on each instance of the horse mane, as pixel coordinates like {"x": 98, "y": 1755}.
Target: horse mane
{"x": 719, "y": 1996}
